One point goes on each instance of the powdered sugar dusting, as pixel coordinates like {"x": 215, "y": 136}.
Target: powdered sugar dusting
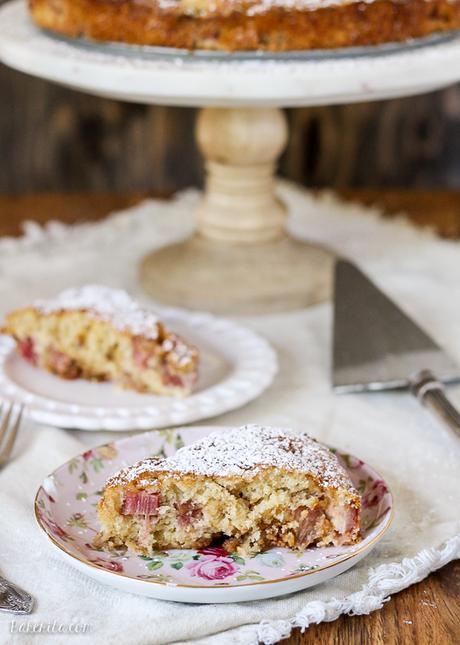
{"x": 249, "y": 7}
{"x": 113, "y": 305}
{"x": 242, "y": 452}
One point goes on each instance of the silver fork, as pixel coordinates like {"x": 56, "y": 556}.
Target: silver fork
{"x": 12, "y": 598}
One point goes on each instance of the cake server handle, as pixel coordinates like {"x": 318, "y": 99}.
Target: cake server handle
{"x": 430, "y": 392}
{"x": 13, "y": 599}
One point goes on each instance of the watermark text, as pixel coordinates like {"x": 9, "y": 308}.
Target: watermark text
{"x": 54, "y": 627}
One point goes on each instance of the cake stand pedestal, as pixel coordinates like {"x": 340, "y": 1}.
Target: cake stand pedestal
{"x": 240, "y": 260}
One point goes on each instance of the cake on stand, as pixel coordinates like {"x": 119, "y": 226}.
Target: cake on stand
{"x": 241, "y": 259}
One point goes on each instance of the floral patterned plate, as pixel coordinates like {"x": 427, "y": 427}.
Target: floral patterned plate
{"x": 65, "y": 510}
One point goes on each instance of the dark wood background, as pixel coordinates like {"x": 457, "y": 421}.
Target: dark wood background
{"x": 54, "y": 139}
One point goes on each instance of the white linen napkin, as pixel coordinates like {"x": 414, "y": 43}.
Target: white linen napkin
{"x": 390, "y": 431}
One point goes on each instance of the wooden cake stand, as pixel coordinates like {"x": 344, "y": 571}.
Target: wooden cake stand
{"x": 240, "y": 260}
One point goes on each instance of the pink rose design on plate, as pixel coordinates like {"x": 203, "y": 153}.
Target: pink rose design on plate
{"x": 354, "y": 462}
{"x": 110, "y": 565}
{"x": 48, "y": 496}
{"x": 214, "y": 550}
{"x": 375, "y": 494}
{"x": 212, "y": 567}
{"x": 54, "y": 529}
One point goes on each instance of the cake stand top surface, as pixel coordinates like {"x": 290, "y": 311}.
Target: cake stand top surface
{"x": 133, "y": 74}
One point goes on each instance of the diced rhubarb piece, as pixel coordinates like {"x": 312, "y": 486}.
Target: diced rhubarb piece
{"x": 141, "y": 503}
{"x": 142, "y": 354}
{"x": 172, "y": 379}
{"x": 27, "y": 350}
{"x": 352, "y": 519}
{"x": 307, "y": 519}
{"x": 187, "y": 513}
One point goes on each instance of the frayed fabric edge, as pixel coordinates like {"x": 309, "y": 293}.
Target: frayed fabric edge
{"x": 385, "y": 580}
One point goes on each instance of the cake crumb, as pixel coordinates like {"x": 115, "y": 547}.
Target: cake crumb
{"x": 427, "y": 603}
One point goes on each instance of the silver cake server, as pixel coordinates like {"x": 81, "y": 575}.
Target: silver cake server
{"x": 378, "y": 347}
{"x": 13, "y": 599}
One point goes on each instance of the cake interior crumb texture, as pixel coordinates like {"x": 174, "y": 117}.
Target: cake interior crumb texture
{"x": 247, "y": 489}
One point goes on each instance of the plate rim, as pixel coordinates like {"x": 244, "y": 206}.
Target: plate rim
{"x": 86, "y": 417}
{"x": 387, "y": 522}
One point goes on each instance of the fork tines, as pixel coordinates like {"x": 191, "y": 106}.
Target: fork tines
{"x": 10, "y": 420}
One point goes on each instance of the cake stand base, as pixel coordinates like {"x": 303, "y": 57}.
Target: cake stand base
{"x": 224, "y": 277}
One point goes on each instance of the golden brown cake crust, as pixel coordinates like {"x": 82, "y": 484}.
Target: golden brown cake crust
{"x": 231, "y": 26}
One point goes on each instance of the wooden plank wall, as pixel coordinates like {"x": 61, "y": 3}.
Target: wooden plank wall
{"x": 54, "y": 139}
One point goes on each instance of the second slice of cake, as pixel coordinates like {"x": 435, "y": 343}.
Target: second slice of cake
{"x": 102, "y": 334}
{"x": 249, "y": 489}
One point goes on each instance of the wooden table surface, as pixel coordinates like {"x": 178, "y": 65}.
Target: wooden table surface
{"x": 425, "y": 614}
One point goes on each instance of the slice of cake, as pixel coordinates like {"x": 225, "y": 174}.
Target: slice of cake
{"x": 249, "y": 489}
{"x": 102, "y": 334}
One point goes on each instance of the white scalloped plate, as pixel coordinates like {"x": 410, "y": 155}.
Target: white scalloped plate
{"x": 237, "y": 365}
{"x": 65, "y": 510}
